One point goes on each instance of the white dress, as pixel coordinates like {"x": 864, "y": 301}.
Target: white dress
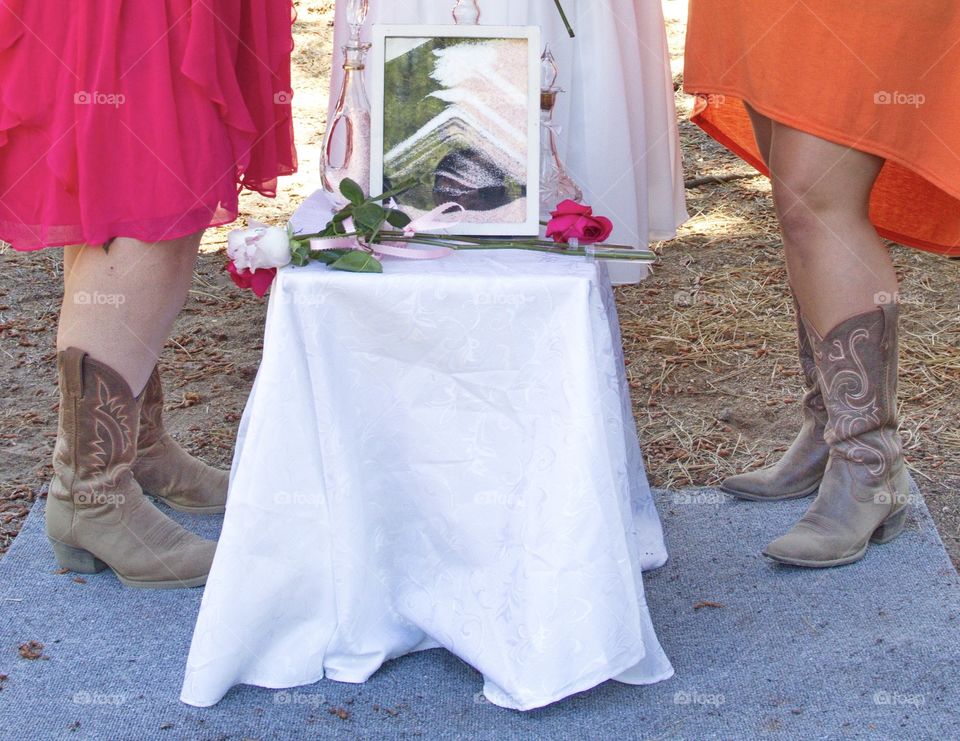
{"x": 618, "y": 121}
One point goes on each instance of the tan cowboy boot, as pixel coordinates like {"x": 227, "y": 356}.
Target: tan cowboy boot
{"x": 798, "y": 473}
{"x": 97, "y": 515}
{"x": 866, "y": 488}
{"x": 167, "y": 471}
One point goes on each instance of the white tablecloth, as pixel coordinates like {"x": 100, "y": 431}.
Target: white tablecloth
{"x": 443, "y": 455}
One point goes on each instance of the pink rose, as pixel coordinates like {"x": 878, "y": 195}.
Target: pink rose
{"x": 258, "y": 281}
{"x": 573, "y": 220}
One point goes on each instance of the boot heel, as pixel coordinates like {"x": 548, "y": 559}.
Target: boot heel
{"x": 890, "y": 528}
{"x": 76, "y": 559}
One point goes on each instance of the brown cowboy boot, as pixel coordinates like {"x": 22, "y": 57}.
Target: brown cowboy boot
{"x": 865, "y": 490}
{"x": 167, "y": 471}
{"x": 798, "y": 473}
{"x": 97, "y": 515}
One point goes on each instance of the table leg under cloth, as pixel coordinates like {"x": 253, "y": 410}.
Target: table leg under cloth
{"x": 443, "y": 455}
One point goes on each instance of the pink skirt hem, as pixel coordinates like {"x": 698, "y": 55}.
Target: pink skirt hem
{"x": 148, "y": 120}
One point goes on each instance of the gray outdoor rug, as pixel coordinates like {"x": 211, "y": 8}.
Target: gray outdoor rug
{"x": 867, "y": 651}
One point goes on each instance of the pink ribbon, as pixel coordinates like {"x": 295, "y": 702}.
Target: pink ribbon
{"x": 430, "y": 221}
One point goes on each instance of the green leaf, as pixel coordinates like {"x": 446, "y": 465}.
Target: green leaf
{"x": 398, "y": 219}
{"x": 352, "y": 192}
{"x": 300, "y": 256}
{"x": 328, "y": 257}
{"x": 369, "y": 217}
{"x": 357, "y": 261}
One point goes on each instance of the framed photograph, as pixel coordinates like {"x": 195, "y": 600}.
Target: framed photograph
{"x": 457, "y": 108}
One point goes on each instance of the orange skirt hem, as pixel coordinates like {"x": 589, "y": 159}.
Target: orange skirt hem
{"x": 752, "y": 158}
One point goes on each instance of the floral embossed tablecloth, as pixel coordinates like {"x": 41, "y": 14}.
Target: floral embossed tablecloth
{"x": 440, "y": 456}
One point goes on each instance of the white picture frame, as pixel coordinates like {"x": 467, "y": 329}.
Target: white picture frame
{"x": 499, "y": 138}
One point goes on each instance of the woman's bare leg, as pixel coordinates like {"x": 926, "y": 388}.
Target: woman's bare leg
{"x": 838, "y": 268}
{"x": 120, "y": 304}
{"x": 762, "y": 132}
{"x": 118, "y": 308}
{"x": 840, "y": 271}
{"x": 838, "y": 265}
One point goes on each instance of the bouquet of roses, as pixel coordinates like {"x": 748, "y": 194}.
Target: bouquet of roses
{"x": 368, "y": 228}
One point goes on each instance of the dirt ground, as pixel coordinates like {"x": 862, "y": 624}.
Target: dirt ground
{"x": 708, "y": 338}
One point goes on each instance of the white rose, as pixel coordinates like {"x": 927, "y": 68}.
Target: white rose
{"x": 259, "y": 247}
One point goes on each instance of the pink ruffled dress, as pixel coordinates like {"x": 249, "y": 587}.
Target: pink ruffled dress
{"x": 139, "y": 118}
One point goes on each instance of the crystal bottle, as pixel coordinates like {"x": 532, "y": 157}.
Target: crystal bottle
{"x": 346, "y": 145}
{"x": 556, "y": 184}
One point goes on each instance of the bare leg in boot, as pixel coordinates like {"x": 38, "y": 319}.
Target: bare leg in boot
{"x": 119, "y": 306}
{"x": 799, "y": 471}
{"x": 843, "y": 279}
{"x": 163, "y": 468}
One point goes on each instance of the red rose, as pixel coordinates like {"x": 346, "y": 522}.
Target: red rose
{"x": 573, "y": 220}
{"x": 258, "y": 281}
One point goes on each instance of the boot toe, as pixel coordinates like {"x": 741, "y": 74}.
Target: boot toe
{"x": 188, "y": 566}
{"x": 201, "y": 559}
{"x": 758, "y": 487}
{"x": 743, "y": 485}
{"x": 811, "y": 550}
{"x": 203, "y": 493}
{"x": 789, "y": 548}
{"x": 182, "y": 482}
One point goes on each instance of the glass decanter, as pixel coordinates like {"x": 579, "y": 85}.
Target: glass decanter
{"x": 556, "y": 185}
{"x": 347, "y": 140}
{"x": 466, "y": 12}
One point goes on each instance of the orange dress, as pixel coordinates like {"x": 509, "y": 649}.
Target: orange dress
{"x": 880, "y": 76}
